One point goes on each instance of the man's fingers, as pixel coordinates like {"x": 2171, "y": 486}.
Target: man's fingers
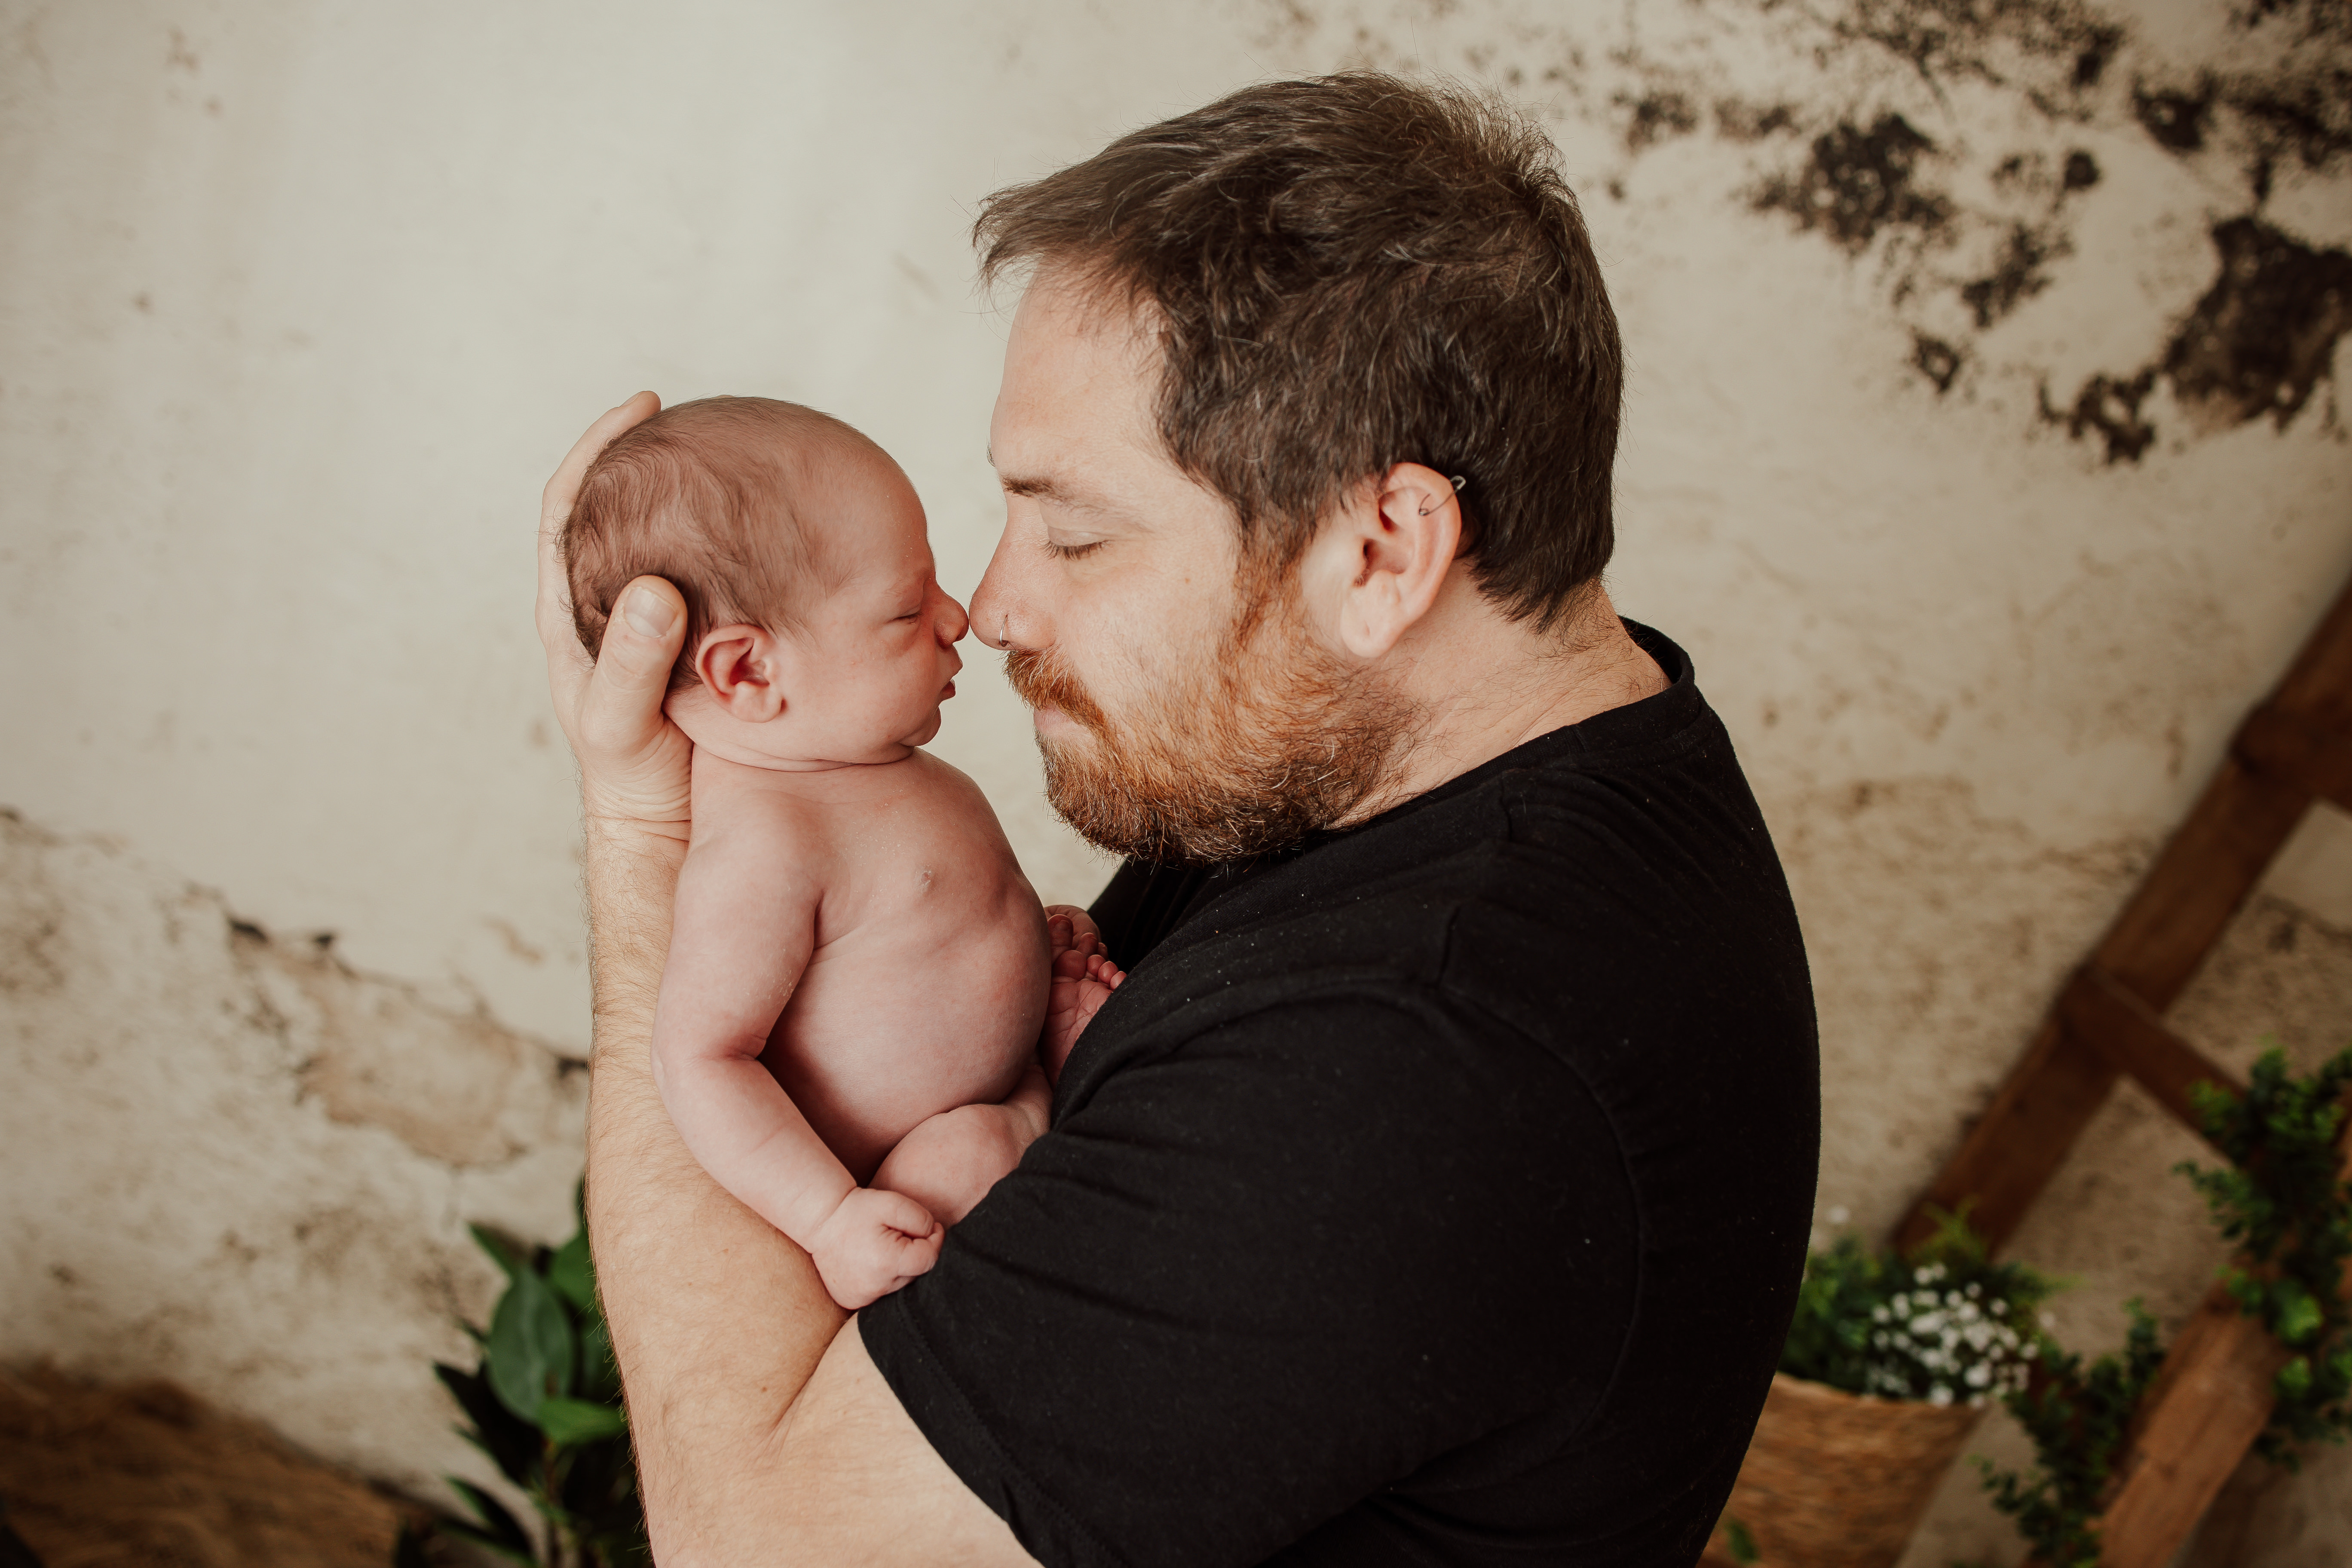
{"x": 563, "y": 486}
{"x": 555, "y": 506}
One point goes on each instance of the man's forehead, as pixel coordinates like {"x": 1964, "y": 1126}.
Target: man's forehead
{"x": 1080, "y": 445}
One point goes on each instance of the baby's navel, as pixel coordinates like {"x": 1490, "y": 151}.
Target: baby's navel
{"x": 927, "y": 881}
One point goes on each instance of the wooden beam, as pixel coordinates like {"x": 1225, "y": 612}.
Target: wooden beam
{"x": 2282, "y": 746}
{"x": 2098, "y": 1009}
{"x": 2020, "y": 1141}
{"x": 2203, "y": 878}
{"x": 2207, "y": 1407}
{"x": 2318, "y": 687}
{"x": 2229, "y": 837}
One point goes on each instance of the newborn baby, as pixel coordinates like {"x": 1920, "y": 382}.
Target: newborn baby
{"x": 848, "y": 1029}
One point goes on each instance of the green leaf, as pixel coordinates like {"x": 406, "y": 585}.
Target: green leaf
{"x": 571, "y": 1274}
{"x": 1739, "y": 1542}
{"x": 530, "y": 1349}
{"x": 600, "y": 1375}
{"x": 502, "y": 1251}
{"x": 489, "y": 1543}
{"x": 2295, "y": 1380}
{"x": 2297, "y": 1313}
{"x": 501, "y": 1532}
{"x": 511, "y": 1441}
{"x": 575, "y": 1421}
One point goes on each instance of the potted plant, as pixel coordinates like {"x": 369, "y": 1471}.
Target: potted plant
{"x": 544, "y": 1405}
{"x": 1889, "y": 1365}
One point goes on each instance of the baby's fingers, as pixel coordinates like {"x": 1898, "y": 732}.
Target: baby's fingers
{"x": 898, "y": 1211}
{"x": 907, "y": 1256}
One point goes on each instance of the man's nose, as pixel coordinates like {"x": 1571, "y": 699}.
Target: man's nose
{"x": 993, "y": 601}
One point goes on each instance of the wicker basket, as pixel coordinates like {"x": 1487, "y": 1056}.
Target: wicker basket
{"x": 1839, "y": 1480}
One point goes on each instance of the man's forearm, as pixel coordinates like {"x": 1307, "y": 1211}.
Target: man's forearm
{"x": 718, "y": 1320}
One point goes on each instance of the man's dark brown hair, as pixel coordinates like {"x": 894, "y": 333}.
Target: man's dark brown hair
{"x": 1347, "y": 273}
{"x": 704, "y": 494}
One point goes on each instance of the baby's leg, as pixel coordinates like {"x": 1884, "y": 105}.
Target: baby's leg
{"x": 1084, "y": 978}
{"x": 949, "y": 1163}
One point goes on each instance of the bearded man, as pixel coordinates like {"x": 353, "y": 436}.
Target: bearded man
{"x": 1434, "y": 1190}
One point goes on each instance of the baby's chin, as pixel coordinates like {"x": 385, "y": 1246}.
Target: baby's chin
{"x": 924, "y": 734}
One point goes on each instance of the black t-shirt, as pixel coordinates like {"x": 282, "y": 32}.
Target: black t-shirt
{"x": 1434, "y": 1194}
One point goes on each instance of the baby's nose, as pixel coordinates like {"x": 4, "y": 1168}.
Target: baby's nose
{"x": 952, "y": 621}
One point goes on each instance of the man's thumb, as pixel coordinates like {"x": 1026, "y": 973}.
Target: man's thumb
{"x": 642, "y": 638}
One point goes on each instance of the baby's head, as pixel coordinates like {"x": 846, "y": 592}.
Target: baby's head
{"x": 814, "y": 628}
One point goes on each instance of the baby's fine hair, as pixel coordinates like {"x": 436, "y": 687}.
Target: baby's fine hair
{"x": 705, "y": 494}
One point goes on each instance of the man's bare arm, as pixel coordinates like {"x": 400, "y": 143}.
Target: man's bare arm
{"x": 764, "y": 1433}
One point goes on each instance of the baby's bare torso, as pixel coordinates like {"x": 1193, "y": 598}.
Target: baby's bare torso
{"x": 926, "y": 984}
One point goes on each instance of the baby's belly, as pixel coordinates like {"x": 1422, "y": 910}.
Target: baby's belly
{"x": 902, "y": 1019}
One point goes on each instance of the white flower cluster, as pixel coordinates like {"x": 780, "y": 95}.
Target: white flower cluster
{"x": 1945, "y": 1344}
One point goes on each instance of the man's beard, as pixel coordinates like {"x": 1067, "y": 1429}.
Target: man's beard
{"x": 1243, "y": 755}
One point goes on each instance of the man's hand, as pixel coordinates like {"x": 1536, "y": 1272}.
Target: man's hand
{"x": 633, "y": 761}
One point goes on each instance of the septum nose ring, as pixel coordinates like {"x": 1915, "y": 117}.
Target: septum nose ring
{"x": 1004, "y": 631}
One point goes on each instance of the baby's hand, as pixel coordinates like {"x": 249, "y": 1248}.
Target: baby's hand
{"x": 1084, "y": 978}
{"x": 873, "y": 1242}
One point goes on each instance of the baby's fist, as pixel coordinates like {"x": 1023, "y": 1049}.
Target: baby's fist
{"x": 873, "y": 1242}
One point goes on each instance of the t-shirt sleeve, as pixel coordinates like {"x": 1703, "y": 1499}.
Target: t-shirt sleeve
{"x": 1254, "y": 1280}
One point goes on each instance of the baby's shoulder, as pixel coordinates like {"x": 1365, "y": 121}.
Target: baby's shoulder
{"x": 943, "y": 781}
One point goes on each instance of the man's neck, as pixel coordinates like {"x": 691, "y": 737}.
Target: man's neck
{"x": 1482, "y": 685}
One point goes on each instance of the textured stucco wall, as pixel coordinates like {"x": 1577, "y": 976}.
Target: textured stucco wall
{"x": 1984, "y": 445}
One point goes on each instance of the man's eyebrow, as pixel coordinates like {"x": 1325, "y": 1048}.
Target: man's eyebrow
{"x": 1048, "y": 487}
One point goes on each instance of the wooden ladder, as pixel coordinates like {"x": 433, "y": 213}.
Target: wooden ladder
{"x": 2213, "y": 1395}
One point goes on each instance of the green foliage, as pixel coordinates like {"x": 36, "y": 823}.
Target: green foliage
{"x": 1741, "y": 1543}
{"x": 544, "y": 1405}
{"x": 1944, "y": 1323}
{"x": 2078, "y": 1417}
{"x": 2285, "y": 1205}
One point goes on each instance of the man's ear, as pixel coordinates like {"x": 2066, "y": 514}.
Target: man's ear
{"x": 1380, "y": 560}
{"x": 741, "y": 668}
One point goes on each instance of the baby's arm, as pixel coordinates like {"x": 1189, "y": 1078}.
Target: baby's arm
{"x": 745, "y": 926}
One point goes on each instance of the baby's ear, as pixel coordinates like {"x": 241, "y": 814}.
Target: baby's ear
{"x": 740, "y": 666}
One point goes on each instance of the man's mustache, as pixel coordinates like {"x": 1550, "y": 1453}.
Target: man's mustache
{"x": 1042, "y": 682}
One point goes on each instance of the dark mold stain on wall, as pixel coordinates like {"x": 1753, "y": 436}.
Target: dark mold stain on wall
{"x": 2265, "y": 333}
{"x": 2278, "y": 97}
{"x": 2109, "y": 409}
{"x": 2016, "y": 276}
{"x": 1658, "y": 117}
{"x": 1857, "y": 183}
{"x": 2049, "y": 48}
{"x": 2258, "y": 343}
{"x": 1956, "y": 149}
{"x": 1936, "y": 360}
{"x": 2176, "y": 119}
